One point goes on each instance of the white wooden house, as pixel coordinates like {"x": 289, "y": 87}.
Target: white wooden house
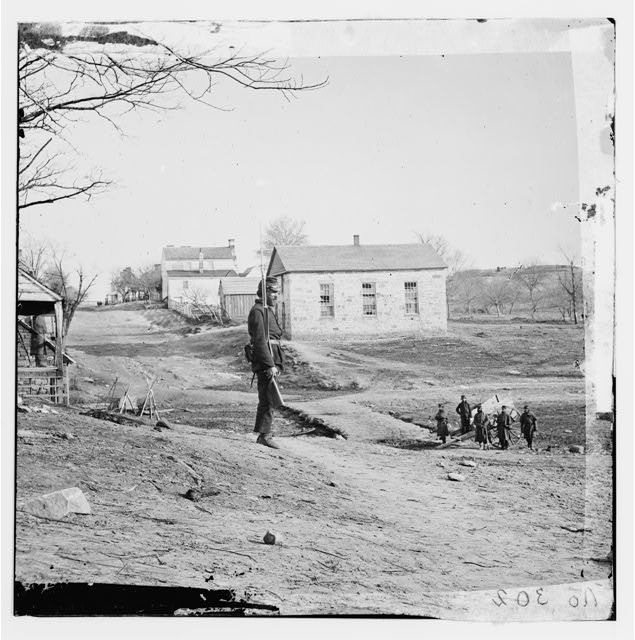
{"x": 195, "y": 272}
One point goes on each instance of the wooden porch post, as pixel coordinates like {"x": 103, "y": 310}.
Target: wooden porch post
{"x": 59, "y": 348}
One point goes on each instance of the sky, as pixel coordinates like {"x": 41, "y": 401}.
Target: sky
{"x": 475, "y": 147}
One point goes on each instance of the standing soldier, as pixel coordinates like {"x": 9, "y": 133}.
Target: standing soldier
{"x": 528, "y": 425}
{"x": 503, "y": 424}
{"x": 465, "y": 411}
{"x": 481, "y": 423}
{"x": 38, "y": 341}
{"x": 267, "y": 358}
{"x": 442, "y": 424}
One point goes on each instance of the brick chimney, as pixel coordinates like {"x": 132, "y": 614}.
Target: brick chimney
{"x": 232, "y": 246}
{"x": 356, "y": 241}
{"x": 200, "y": 260}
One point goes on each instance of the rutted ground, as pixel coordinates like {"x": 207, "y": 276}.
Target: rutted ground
{"x": 367, "y": 527}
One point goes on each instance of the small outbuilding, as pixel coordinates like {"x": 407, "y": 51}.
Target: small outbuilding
{"x": 42, "y": 365}
{"x": 237, "y": 296}
{"x": 360, "y": 290}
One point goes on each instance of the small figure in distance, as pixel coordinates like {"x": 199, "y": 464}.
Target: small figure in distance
{"x": 481, "y": 423}
{"x": 465, "y": 411}
{"x": 528, "y": 426}
{"x": 503, "y": 425}
{"x": 442, "y": 424}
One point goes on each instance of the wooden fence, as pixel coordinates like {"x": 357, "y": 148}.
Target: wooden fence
{"x": 200, "y": 312}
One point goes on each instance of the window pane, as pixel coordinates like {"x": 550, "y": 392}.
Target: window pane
{"x": 412, "y": 298}
{"x": 369, "y": 299}
{"x": 326, "y": 300}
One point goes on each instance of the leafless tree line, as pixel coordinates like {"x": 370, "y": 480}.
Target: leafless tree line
{"x": 556, "y": 289}
{"x": 529, "y": 288}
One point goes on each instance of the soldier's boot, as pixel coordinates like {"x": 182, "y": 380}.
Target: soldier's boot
{"x": 265, "y": 440}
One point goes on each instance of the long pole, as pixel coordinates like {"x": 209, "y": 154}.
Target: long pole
{"x": 262, "y": 275}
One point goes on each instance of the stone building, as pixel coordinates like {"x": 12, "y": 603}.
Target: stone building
{"x": 360, "y": 290}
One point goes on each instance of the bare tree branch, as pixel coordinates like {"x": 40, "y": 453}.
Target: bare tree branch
{"x": 106, "y": 73}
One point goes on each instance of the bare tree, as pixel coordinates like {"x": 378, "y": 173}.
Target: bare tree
{"x": 103, "y": 71}
{"x": 201, "y": 310}
{"x": 33, "y": 257}
{"x": 437, "y": 242}
{"x": 570, "y": 280}
{"x": 124, "y": 282}
{"x": 533, "y": 277}
{"x": 496, "y": 293}
{"x": 283, "y": 232}
{"x": 61, "y": 281}
{"x": 467, "y": 288}
{"x": 149, "y": 280}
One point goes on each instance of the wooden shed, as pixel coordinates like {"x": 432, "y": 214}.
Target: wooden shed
{"x": 41, "y": 362}
{"x": 237, "y": 296}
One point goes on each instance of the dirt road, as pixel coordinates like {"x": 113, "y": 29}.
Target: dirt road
{"x": 367, "y": 527}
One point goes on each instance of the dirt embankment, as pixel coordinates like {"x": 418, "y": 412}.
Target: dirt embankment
{"x": 366, "y": 527}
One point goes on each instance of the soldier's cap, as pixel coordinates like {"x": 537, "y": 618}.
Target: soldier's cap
{"x": 462, "y": 397}
{"x": 526, "y": 406}
{"x": 504, "y": 406}
{"x": 479, "y": 405}
{"x": 271, "y": 283}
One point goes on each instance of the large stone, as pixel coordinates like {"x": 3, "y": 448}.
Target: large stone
{"x": 576, "y": 448}
{"x": 58, "y": 504}
{"x": 457, "y": 477}
{"x": 467, "y": 463}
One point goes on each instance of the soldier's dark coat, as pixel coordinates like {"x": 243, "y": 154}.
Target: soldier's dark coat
{"x": 442, "y": 423}
{"x": 503, "y": 422}
{"x": 263, "y": 359}
{"x": 527, "y": 424}
{"x": 481, "y": 422}
{"x": 465, "y": 411}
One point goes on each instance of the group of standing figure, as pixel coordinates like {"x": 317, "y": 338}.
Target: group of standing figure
{"x": 482, "y": 424}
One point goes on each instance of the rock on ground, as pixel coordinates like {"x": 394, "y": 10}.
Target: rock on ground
{"x": 58, "y": 504}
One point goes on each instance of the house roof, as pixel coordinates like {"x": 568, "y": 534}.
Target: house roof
{"x": 241, "y": 286}
{"x": 369, "y": 257}
{"x": 30, "y": 290}
{"x": 189, "y": 275}
{"x": 192, "y": 253}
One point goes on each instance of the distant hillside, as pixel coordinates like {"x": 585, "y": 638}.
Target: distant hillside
{"x": 538, "y": 292}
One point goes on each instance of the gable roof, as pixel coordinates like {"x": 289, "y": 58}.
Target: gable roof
{"x": 239, "y": 286}
{"x": 368, "y": 257}
{"x": 215, "y": 273}
{"x": 192, "y": 253}
{"x": 31, "y": 290}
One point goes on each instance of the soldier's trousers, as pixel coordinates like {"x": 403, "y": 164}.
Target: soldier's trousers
{"x": 264, "y": 412}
